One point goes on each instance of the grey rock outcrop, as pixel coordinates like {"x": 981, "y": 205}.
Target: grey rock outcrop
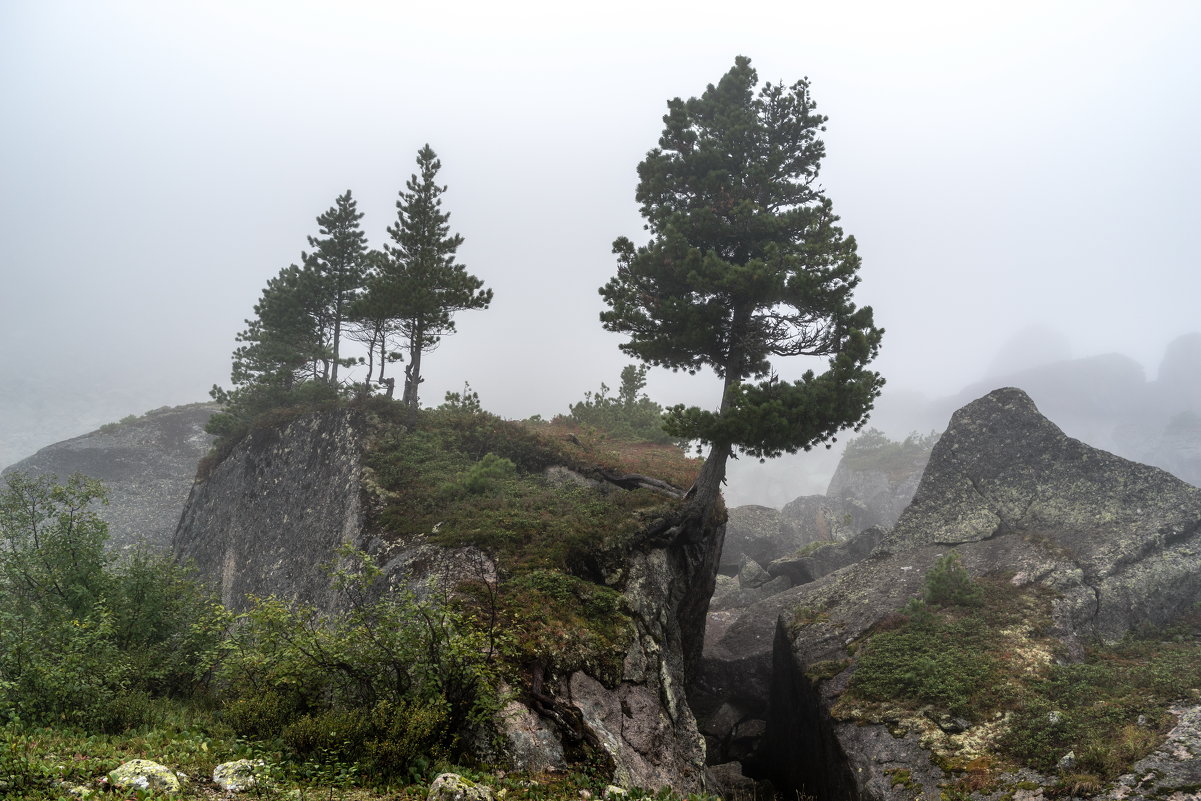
{"x": 1175, "y": 764}
{"x": 812, "y": 565}
{"x": 1130, "y": 531}
{"x": 866, "y": 493}
{"x": 1118, "y": 543}
{"x": 284, "y": 499}
{"x": 762, "y": 534}
{"x": 147, "y": 464}
{"x": 276, "y": 508}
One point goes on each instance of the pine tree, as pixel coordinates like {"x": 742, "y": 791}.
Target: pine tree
{"x": 419, "y": 282}
{"x": 338, "y": 265}
{"x": 372, "y": 324}
{"x": 745, "y": 263}
{"x": 280, "y": 348}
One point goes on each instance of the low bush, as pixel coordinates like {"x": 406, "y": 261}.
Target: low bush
{"x": 87, "y": 639}
{"x": 390, "y": 680}
{"x": 949, "y": 584}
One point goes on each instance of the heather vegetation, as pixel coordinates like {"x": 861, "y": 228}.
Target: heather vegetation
{"x": 476, "y": 480}
{"x": 981, "y": 651}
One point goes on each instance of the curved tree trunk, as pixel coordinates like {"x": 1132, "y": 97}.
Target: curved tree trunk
{"x": 704, "y": 496}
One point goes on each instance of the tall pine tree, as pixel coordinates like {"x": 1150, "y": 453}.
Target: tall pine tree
{"x": 745, "y": 263}
{"x": 419, "y": 283}
{"x": 280, "y": 350}
{"x": 338, "y": 264}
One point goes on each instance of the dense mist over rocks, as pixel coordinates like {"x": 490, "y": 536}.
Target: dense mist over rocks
{"x": 1107, "y": 401}
{"x": 160, "y": 162}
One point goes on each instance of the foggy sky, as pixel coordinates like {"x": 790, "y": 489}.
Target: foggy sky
{"x": 1002, "y": 166}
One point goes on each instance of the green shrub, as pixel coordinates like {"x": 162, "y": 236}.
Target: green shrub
{"x": 941, "y": 663}
{"x": 628, "y": 415}
{"x": 488, "y": 474}
{"x": 949, "y": 584}
{"x": 467, "y": 401}
{"x": 85, "y": 640}
{"x": 394, "y": 676}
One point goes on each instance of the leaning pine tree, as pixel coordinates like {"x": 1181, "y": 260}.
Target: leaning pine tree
{"x": 745, "y": 263}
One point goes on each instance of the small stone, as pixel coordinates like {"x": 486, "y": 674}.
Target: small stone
{"x": 142, "y": 774}
{"x": 453, "y": 787}
{"x": 238, "y": 776}
{"x": 613, "y": 791}
{"x": 1067, "y": 761}
{"x": 952, "y": 725}
{"x": 1054, "y": 717}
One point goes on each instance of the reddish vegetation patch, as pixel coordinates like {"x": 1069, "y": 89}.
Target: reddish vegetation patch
{"x": 665, "y": 462}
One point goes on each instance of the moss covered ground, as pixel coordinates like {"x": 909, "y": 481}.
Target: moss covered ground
{"x": 467, "y": 478}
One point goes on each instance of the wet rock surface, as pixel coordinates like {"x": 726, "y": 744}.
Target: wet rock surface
{"x": 276, "y": 508}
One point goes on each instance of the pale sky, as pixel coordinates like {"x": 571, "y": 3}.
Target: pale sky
{"x": 1001, "y": 165}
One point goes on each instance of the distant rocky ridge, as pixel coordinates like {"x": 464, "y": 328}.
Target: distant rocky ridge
{"x": 147, "y": 464}
{"x": 1107, "y": 402}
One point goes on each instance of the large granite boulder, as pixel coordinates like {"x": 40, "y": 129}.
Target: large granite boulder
{"x": 1112, "y": 544}
{"x": 147, "y": 464}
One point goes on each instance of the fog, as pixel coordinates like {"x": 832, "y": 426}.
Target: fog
{"x": 1021, "y": 179}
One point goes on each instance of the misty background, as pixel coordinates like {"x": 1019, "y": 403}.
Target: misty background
{"x": 1021, "y": 179}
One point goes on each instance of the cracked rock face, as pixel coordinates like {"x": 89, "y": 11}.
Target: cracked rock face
{"x": 1119, "y": 543}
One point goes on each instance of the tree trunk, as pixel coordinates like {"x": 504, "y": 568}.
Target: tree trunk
{"x": 706, "y": 491}
{"x": 383, "y": 356}
{"x": 413, "y": 371}
{"x": 337, "y": 344}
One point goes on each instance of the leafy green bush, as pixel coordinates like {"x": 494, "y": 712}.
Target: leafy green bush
{"x": 394, "y": 676}
{"x": 488, "y": 474}
{"x": 85, "y": 639}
